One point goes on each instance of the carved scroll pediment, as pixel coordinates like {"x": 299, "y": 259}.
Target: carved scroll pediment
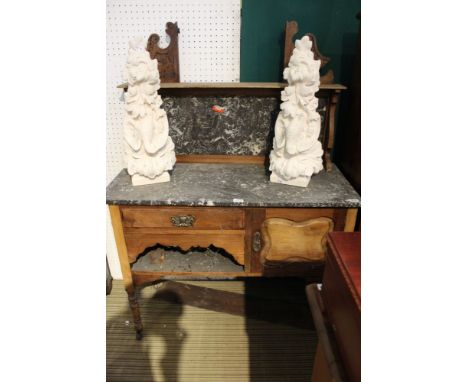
{"x": 168, "y": 58}
{"x": 290, "y": 32}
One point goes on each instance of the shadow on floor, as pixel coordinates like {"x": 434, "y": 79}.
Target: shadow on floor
{"x": 129, "y": 359}
{"x": 281, "y": 336}
{"x": 272, "y": 307}
{"x": 276, "y": 306}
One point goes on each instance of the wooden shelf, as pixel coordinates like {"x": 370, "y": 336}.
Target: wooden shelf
{"x": 167, "y": 264}
{"x": 234, "y": 85}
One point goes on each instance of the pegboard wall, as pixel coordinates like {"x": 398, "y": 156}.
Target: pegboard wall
{"x": 209, "y": 51}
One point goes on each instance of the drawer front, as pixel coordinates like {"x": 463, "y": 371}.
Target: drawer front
{"x": 338, "y": 215}
{"x": 182, "y": 217}
{"x": 140, "y": 239}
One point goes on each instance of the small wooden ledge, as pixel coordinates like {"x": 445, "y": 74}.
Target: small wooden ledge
{"x": 233, "y": 85}
{"x": 259, "y": 89}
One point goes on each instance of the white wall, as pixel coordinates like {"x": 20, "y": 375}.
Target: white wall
{"x": 209, "y": 51}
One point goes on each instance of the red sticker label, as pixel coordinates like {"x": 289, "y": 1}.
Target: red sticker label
{"x": 217, "y": 109}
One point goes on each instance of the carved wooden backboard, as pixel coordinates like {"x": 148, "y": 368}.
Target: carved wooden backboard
{"x": 168, "y": 58}
{"x": 290, "y": 31}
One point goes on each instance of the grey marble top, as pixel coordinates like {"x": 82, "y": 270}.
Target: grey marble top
{"x": 196, "y": 184}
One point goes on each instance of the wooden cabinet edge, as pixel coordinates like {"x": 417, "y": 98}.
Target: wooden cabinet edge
{"x": 350, "y": 223}
{"x": 117, "y": 226}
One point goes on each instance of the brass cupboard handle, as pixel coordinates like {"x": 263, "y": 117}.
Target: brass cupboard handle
{"x": 257, "y": 242}
{"x": 183, "y": 220}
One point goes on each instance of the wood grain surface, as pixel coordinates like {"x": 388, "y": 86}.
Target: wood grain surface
{"x": 247, "y": 159}
{"x": 286, "y": 240}
{"x": 219, "y": 218}
{"x": 140, "y": 239}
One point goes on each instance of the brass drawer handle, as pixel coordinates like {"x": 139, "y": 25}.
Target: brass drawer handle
{"x": 183, "y": 220}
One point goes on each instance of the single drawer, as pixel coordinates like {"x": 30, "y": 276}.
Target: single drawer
{"x": 219, "y": 218}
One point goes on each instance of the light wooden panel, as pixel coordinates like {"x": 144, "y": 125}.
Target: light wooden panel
{"x": 121, "y": 246}
{"x": 286, "y": 240}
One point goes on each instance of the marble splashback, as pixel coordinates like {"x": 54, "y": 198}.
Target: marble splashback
{"x": 246, "y": 126}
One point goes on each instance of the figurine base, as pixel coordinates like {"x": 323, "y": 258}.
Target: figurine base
{"x": 140, "y": 180}
{"x": 302, "y": 181}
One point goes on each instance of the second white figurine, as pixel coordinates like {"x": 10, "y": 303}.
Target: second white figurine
{"x": 297, "y": 152}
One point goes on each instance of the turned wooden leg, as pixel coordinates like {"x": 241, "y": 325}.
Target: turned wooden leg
{"x": 133, "y": 301}
{"x": 125, "y": 267}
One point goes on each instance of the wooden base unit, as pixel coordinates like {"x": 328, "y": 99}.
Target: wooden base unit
{"x": 265, "y": 241}
{"x": 257, "y": 238}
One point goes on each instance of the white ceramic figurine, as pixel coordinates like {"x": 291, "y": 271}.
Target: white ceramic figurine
{"x": 149, "y": 150}
{"x": 297, "y": 152}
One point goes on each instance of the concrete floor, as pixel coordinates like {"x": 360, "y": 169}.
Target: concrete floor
{"x": 198, "y": 331}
